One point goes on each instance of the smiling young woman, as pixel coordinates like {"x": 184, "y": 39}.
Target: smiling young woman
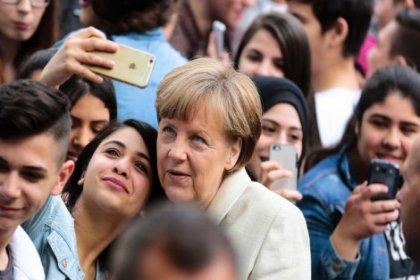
{"x": 342, "y": 219}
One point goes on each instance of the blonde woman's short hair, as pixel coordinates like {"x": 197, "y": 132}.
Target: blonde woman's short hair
{"x": 215, "y": 85}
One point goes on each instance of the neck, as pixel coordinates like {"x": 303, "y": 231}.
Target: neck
{"x": 5, "y": 238}
{"x": 201, "y": 16}
{"x": 8, "y": 52}
{"x": 95, "y": 231}
{"x": 341, "y": 73}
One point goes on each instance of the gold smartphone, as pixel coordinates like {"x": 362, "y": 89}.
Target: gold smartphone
{"x": 132, "y": 66}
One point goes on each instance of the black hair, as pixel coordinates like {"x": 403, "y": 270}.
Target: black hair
{"x": 392, "y": 79}
{"x": 120, "y": 17}
{"x": 183, "y": 233}
{"x": 72, "y": 190}
{"x": 29, "y": 108}
{"x": 292, "y": 41}
{"x": 357, "y": 14}
{"x": 37, "y": 61}
{"x": 408, "y": 21}
{"x": 76, "y": 87}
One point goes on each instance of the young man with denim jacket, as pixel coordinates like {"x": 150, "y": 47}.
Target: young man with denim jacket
{"x": 34, "y": 130}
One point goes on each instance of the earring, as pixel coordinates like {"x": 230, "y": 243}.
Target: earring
{"x": 81, "y": 181}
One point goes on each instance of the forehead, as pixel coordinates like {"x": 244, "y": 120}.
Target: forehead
{"x": 129, "y": 137}
{"x": 301, "y": 11}
{"x": 40, "y": 151}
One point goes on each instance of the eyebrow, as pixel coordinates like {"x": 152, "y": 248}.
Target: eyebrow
{"x": 121, "y": 145}
{"x": 406, "y": 123}
{"x": 28, "y": 168}
{"x": 94, "y": 121}
{"x": 277, "y": 124}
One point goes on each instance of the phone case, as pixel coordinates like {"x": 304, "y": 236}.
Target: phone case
{"x": 132, "y": 66}
{"x": 383, "y": 172}
{"x": 286, "y": 156}
{"x": 219, "y": 29}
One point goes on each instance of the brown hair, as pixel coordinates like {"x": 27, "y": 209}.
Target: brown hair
{"x": 230, "y": 94}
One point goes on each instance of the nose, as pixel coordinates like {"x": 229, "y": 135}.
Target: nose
{"x": 9, "y": 188}
{"x": 177, "y": 151}
{"x": 281, "y": 138}
{"x": 391, "y": 139}
{"x": 121, "y": 166}
{"x": 24, "y": 6}
{"x": 81, "y": 137}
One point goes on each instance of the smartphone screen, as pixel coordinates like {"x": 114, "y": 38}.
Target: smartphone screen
{"x": 132, "y": 66}
{"x": 286, "y": 156}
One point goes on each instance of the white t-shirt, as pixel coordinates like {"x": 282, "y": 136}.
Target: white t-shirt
{"x": 334, "y": 108}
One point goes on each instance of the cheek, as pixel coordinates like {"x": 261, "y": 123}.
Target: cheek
{"x": 263, "y": 144}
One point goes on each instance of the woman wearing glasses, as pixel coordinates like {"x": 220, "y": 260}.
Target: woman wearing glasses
{"x": 25, "y": 27}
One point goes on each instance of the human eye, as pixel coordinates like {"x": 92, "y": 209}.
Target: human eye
{"x": 294, "y": 137}
{"x": 168, "y": 131}
{"x": 268, "y": 128}
{"x": 279, "y": 64}
{"x": 199, "y": 139}
{"x": 141, "y": 167}
{"x": 409, "y": 129}
{"x": 112, "y": 152}
{"x": 96, "y": 128}
{"x": 32, "y": 176}
{"x": 379, "y": 123}
{"x": 254, "y": 56}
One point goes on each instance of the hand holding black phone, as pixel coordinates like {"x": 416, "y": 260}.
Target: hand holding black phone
{"x": 387, "y": 173}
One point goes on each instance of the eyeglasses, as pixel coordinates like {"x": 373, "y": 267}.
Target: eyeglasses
{"x": 34, "y": 3}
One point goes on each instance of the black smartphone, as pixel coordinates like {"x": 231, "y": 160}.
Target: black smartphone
{"x": 387, "y": 173}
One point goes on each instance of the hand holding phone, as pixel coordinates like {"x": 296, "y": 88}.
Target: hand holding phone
{"x": 387, "y": 173}
{"x": 132, "y": 66}
{"x": 286, "y": 156}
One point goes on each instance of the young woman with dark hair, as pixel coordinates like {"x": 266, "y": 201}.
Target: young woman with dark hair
{"x": 25, "y": 27}
{"x": 353, "y": 236}
{"x": 276, "y": 45}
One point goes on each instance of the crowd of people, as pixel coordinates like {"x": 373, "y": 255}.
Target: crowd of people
{"x": 100, "y": 179}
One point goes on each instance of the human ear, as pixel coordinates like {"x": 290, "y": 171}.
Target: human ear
{"x": 399, "y": 59}
{"x": 233, "y": 155}
{"x": 64, "y": 174}
{"x": 339, "y": 32}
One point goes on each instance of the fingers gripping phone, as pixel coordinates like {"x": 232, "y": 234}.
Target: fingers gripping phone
{"x": 387, "y": 173}
{"x": 132, "y": 66}
{"x": 286, "y": 156}
{"x": 219, "y": 29}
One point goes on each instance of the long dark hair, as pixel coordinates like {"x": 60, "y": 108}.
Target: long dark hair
{"x": 293, "y": 43}
{"x": 395, "y": 78}
{"x": 72, "y": 190}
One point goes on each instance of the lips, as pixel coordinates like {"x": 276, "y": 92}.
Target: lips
{"x": 7, "y": 210}
{"x": 177, "y": 175}
{"x": 21, "y": 25}
{"x": 83, "y": 3}
{"x": 115, "y": 184}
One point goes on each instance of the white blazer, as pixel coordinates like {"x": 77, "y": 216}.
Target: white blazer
{"x": 268, "y": 232}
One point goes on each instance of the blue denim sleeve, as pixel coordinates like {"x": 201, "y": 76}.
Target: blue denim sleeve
{"x": 319, "y": 215}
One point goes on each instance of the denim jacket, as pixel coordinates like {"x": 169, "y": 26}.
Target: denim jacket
{"x": 52, "y": 231}
{"x": 325, "y": 189}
